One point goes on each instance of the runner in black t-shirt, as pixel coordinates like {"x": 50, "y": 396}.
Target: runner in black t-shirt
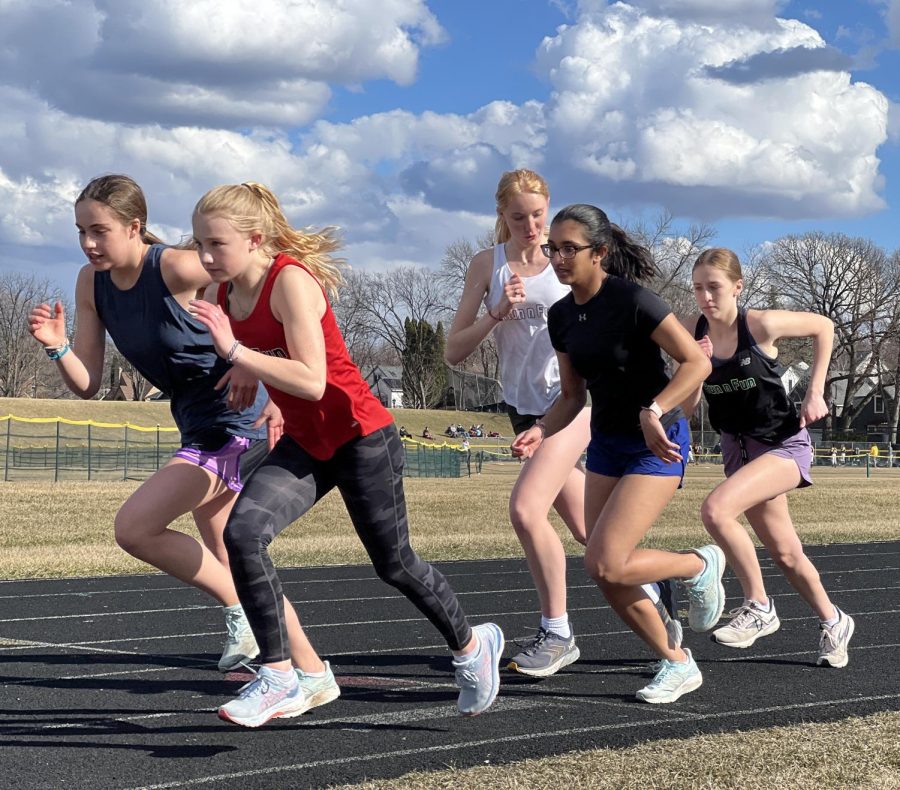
{"x": 607, "y": 335}
{"x": 765, "y": 447}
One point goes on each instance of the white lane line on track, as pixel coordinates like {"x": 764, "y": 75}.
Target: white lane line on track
{"x": 528, "y": 736}
{"x": 396, "y": 597}
{"x": 192, "y": 662}
{"x": 27, "y": 644}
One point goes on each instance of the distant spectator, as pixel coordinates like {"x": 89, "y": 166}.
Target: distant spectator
{"x": 873, "y": 454}
{"x": 465, "y": 443}
{"x": 404, "y": 434}
{"x": 843, "y": 455}
{"x": 426, "y": 434}
{"x": 833, "y": 455}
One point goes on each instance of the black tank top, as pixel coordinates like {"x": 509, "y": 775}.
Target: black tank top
{"x": 745, "y": 393}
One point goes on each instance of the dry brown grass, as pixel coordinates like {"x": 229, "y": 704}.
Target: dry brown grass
{"x": 65, "y": 529}
{"x": 853, "y": 753}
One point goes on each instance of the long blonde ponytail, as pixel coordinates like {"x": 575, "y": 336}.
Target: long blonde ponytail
{"x": 253, "y": 208}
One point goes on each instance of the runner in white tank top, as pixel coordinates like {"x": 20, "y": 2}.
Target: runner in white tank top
{"x": 516, "y": 284}
{"x": 529, "y": 372}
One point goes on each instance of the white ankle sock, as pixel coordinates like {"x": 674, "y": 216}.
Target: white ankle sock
{"x": 833, "y": 621}
{"x": 559, "y": 625}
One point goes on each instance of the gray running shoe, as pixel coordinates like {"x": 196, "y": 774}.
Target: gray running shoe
{"x": 673, "y": 679}
{"x": 240, "y": 645}
{"x": 748, "y": 623}
{"x": 479, "y": 678}
{"x": 705, "y": 591}
{"x": 318, "y": 691}
{"x": 834, "y": 641}
{"x": 545, "y": 655}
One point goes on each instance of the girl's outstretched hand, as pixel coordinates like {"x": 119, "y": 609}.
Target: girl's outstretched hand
{"x": 214, "y": 319}
{"x": 48, "y": 325}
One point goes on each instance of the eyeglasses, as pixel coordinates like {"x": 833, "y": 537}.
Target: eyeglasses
{"x": 566, "y": 252}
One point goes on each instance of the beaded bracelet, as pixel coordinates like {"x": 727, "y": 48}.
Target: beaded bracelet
{"x": 233, "y": 352}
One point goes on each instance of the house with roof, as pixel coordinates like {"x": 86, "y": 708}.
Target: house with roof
{"x": 386, "y": 384}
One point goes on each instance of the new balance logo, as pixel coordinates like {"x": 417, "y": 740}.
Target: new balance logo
{"x": 745, "y": 361}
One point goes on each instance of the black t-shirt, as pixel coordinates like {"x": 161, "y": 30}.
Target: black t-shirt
{"x": 608, "y": 342}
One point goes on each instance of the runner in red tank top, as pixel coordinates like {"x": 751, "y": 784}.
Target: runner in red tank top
{"x": 272, "y": 319}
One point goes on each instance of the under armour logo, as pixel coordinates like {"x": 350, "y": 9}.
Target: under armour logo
{"x": 582, "y": 316}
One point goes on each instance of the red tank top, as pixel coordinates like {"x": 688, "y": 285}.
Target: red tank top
{"x": 347, "y": 409}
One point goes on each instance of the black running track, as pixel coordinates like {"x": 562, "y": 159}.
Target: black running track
{"x": 111, "y": 682}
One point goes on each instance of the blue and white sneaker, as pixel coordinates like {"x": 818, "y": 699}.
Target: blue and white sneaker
{"x": 705, "y": 591}
{"x": 265, "y": 697}
{"x": 478, "y": 677}
{"x": 240, "y": 644}
{"x": 673, "y": 679}
{"x": 318, "y": 690}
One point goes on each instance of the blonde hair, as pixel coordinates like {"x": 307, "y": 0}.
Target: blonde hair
{"x": 515, "y": 182}
{"x": 722, "y": 259}
{"x": 121, "y": 195}
{"x": 253, "y": 208}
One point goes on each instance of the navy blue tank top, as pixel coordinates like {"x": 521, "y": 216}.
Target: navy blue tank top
{"x": 174, "y": 352}
{"x": 745, "y": 393}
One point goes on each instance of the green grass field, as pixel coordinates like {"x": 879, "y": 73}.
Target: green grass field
{"x": 65, "y": 529}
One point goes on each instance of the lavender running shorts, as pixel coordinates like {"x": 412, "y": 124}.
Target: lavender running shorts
{"x": 739, "y": 451}
{"x": 233, "y": 461}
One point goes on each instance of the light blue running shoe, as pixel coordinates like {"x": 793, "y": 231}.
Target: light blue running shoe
{"x": 240, "y": 644}
{"x": 478, "y": 678}
{"x": 318, "y": 690}
{"x": 263, "y": 698}
{"x": 673, "y": 679}
{"x": 705, "y": 591}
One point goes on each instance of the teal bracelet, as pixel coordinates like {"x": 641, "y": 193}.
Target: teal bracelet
{"x": 57, "y": 353}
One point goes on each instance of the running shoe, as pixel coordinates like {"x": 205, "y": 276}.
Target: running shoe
{"x": 240, "y": 644}
{"x": 834, "y": 641}
{"x": 318, "y": 690}
{"x": 705, "y": 591}
{"x": 478, "y": 677}
{"x": 263, "y": 698}
{"x": 748, "y": 623}
{"x": 545, "y": 655}
{"x": 673, "y": 679}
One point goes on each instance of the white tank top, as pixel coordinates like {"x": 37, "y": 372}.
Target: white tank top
{"x": 529, "y": 371}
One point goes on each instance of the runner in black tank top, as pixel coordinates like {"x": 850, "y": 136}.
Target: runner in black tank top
{"x": 766, "y": 449}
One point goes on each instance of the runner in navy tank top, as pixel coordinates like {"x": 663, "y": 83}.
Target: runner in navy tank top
{"x": 137, "y": 289}
{"x": 609, "y": 334}
{"x": 270, "y": 316}
{"x": 766, "y": 449}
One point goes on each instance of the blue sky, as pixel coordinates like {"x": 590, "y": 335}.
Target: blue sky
{"x": 394, "y": 120}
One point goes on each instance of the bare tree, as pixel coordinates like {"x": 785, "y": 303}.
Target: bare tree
{"x": 25, "y": 370}
{"x": 452, "y": 275}
{"x": 365, "y": 347}
{"x": 851, "y": 281}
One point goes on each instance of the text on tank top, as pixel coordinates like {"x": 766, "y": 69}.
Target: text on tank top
{"x": 529, "y": 370}
{"x": 745, "y": 393}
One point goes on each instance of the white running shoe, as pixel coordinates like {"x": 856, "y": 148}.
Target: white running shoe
{"x": 748, "y": 623}
{"x": 240, "y": 644}
{"x": 834, "y": 641}
{"x": 264, "y": 698}
{"x": 674, "y": 679}
{"x": 478, "y": 678}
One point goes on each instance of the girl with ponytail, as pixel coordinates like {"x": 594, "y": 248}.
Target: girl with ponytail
{"x": 269, "y": 316}
{"x": 138, "y": 290}
{"x": 608, "y": 334}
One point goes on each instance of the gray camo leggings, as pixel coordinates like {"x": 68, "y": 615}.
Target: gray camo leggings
{"x": 368, "y": 473}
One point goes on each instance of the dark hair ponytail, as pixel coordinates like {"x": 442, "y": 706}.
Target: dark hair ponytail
{"x": 628, "y": 259}
{"x": 625, "y": 258}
